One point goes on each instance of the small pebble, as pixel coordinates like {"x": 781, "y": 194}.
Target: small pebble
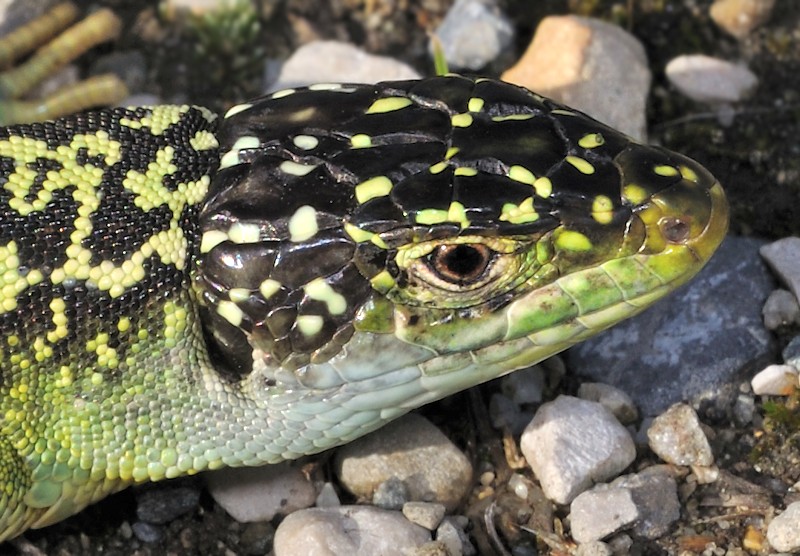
{"x": 338, "y": 62}
{"x": 775, "y": 380}
{"x": 677, "y": 437}
{"x": 391, "y": 494}
{"x": 740, "y": 17}
{"x": 424, "y": 513}
{"x": 572, "y": 443}
{"x": 600, "y": 512}
{"x": 410, "y": 450}
{"x": 744, "y": 409}
{"x": 148, "y": 532}
{"x": 710, "y": 80}
{"x": 615, "y": 400}
{"x": 327, "y": 497}
{"x": 791, "y": 353}
{"x": 783, "y": 257}
{"x": 590, "y": 65}
{"x": 260, "y": 493}
{"x": 474, "y": 33}
{"x": 165, "y": 503}
{"x": 783, "y": 532}
{"x": 350, "y": 530}
{"x": 780, "y": 309}
{"x": 524, "y": 386}
{"x": 453, "y": 535}
{"x": 256, "y": 538}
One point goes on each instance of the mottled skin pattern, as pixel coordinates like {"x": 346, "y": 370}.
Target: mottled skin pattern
{"x": 175, "y": 298}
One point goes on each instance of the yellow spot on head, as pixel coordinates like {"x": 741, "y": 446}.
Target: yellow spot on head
{"x": 269, "y": 287}
{"x": 522, "y": 214}
{"x": 451, "y": 152}
{"x": 602, "y": 209}
{"x": 303, "y": 224}
{"x": 237, "y": 295}
{"x": 570, "y": 240}
{"x": 378, "y": 186}
{"x": 295, "y": 168}
{"x": 319, "y": 290}
{"x": 438, "y": 167}
{"x": 688, "y": 174}
{"x": 581, "y": 164}
{"x": 521, "y": 174}
{"x": 543, "y": 187}
{"x": 361, "y": 141}
{"x": 591, "y": 140}
{"x": 211, "y": 239}
{"x": 282, "y": 93}
{"x": 461, "y": 120}
{"x": 465, "y": 171}
{"x": 230, "y": 312}
{"x": 324, "y": 86}
{"x": 233, "y": 110}
{"x": 305, "y": 142}
{"x": 309, "y": 325}
{"x": 634, "y": 194}
{"x": 431, "y": 216}
{"x": 475, "y": 104}
{"x": 241, "y": 232}
{"x": 457, "y": 213}
{"x": 512, "y": 118}
{"x": 383, "y": 281}
{"x": 665, "y": 170}
{"x": 389, "y": 104}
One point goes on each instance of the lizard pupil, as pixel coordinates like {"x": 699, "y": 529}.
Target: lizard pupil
{"x": 460, "y": 263}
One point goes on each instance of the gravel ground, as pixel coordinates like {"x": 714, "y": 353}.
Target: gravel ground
{"x": 756, "y": 156}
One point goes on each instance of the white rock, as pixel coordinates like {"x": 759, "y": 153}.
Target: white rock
{"x": 424, "y": 514}
{"x": 348, "y": 530}
{"x": 677, "y": 438}
{"x": 260, "y": 493}
{"x": 594, "y": 548}
{"x": 590, "y": 65}
{"x": 783, "y": 257}
{"x": 775, "y": 380}
{"x": 411, "y": 451}
{"x": 338, "y": 62}
{"x": 780, "y": 309}
{"x": 783, "y": 532}
{"x": 571, "y": 444}
{"x": 711, "y": 80}
{"x": 613, "y": 399}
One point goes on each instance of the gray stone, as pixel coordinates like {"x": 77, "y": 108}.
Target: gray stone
{"x": 260, "y": 493}
{"x": 167, "y": 502}
{"x": 573, "y": 443}
{"x": 780, "y": 309}
{"x": 350, "y": 530}
{"x": 148, "y": 532}
{"x": 697, "y": 344}
{"x": 331, "y": 61}
{"x": 455, "y": 538}
{"x": 791, "y": 353}
{"x": 655, "y": 493}
{"x": 783, "y": 532}
{"x": 613, "y": 399}
{"x": 410, "y": 450}
{"x": 590, "y": 65}
{"x": 474, "y": 33}
{"x": 676, "y": 437}
{"x": 783, "y": 257}
{"x": 600, "y": 512}
{"x": 524, "y": 386}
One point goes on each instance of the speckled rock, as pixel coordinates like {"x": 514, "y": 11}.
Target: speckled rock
{"x": 783, "y": 532}
{"x": 696, "y": 344}
{"x": 710, "y": 80}
{"x": 473, "y": 33}
{"x": 261, "y": 493}
{"x": 410, "y": 450}
{"x": 590, "y": 65}
{"x": 572, "y": 444}
{"x": 348, "y": 530}
{"x": 740, "y": 17}
{"x": 331, "y": 61}
{"x": 676, "y": 437}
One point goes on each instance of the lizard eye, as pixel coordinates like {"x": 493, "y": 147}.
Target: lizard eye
{"x": 461, "y": 263}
